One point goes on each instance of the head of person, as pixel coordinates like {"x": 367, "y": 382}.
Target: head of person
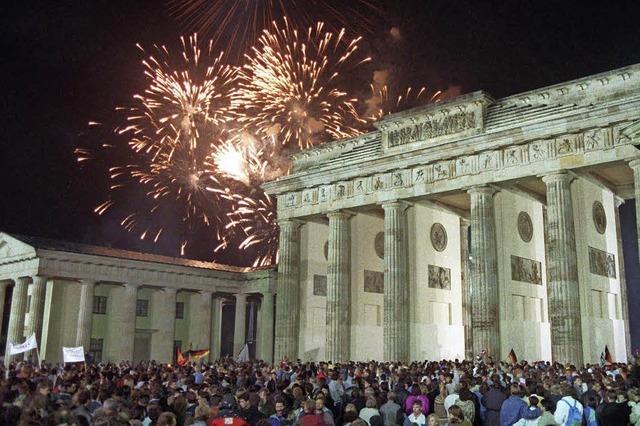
{"x": 309, "y": 406}
{"x": 371, "y": 403}
{"x": 319, "y": 402}
{"x": 416, "y": 407}
{"x": 279, "y": 407}
{"x": 167, "y": 419}
{"x": 533, "y": 401}
{"x": 243, "y": 401}
{"x": 433, "y": 420}
{"x": 455, "y": 414}
{"x": 515, "y": 390}
{"x": 391, "y": 396}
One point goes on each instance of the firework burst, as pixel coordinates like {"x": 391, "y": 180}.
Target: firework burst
{"x": 239, "y": 23}
{"x": 169, "y": 142}
{"x": 289, "y": 90}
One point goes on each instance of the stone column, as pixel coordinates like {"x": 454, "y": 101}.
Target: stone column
{"x": 216, "y": 332}
{"x": 338, "y": 288}
{"x": 562, "y": 288}
{"x": 396, "y": 283}
{"x": 15, "y": 334}
{"x": 165, "y": 322}
{"x": 635, "y": 166}
{"x": 240, "y": 324}
{"x": 3, "y": 295}
{"x": 200, "y": 324}
{"x": 466, "y": 294}
{"x": 127, "y": 314}
{"x": 265, "y": 331}
{"x": 36, "y": 310}
{"x": 624, "y": 301}
{"x": 484, "y": 274}
{"x": 288, "y": 290}
{"x": 85, "y": 314}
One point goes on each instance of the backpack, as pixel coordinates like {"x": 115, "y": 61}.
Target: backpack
{"x": 574, "y": 418}
{"x": 590, "y": 417}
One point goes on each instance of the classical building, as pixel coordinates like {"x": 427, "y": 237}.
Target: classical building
{"x": 124, "y": 305}
{"x": 468, "y": 225}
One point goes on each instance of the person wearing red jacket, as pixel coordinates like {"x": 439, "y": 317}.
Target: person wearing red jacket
{"x": 228, "y": 416}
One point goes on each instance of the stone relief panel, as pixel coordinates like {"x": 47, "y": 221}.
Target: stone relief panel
{"x": 378, "y": 244}
{"x": 439, "y": 277}
{"x": 433, "y": 128}
{"x": 464, "y": 165}
{"x": 319, "y": 285}
{"x": 373, "y": 282}
{"x": 438, "y": 237}
{"x": 526, "y": 270}
{"x": 599, "y": 217}
{"x": 525, "y": 226}
{"x": 602, "y": 263}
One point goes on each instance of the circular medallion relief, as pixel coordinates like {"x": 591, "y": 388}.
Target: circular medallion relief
{"x": 438, "y": 237}
{"x": 599, "y": 217}
{"x": 378, "y": 245}
{"x": 525, "y": 226}
{"x": 325, "y": 250}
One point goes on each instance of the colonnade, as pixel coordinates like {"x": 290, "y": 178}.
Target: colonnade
{"x": 481, "y": 316}
{"x": 122, "y": 316}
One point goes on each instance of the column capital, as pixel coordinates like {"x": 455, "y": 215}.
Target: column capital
{"x": 635, "y": 163}
{"x": 340, "y": 214}
{"x": 170, "y": 290}
{"x": 85, "y": 281}
{"x": 39, "y": 278}
{"x": 23, "y": 280}
{"x": 241, "y": 297}
{"x": 130, "y": 286}
{"x": 290, "y": 223}
{"x": 395, "y": 204}
{"x": 482, "y": 189}
{"x": 559, "y": 176}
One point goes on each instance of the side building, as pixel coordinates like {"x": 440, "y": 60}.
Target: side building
{"x": 465, "y": 226}
{"x": 124, "y": 305}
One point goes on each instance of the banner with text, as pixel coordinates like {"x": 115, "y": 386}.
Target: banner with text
{"x": 19, "y": 348}
{"x": 73, "y": 354}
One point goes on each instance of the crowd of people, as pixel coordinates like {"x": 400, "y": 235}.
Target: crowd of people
{"x": 315, "y": 394}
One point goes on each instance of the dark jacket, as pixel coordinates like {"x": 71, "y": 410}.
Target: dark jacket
{"x": 613, "y": 414}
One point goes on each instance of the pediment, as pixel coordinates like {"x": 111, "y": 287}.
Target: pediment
{"x": 12, "y": 248}
{"x": 633, "y": 132}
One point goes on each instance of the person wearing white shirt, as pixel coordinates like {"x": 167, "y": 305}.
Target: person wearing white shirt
{"x": 563, "y": 406}
{"x": 416, "y": 415}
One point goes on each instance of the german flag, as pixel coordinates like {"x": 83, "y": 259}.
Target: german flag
{"x": 607, "y": 355}
{"x": 513, "y": 359}
{"x": 196, "y": 354}
{"x": 181, "y": 360}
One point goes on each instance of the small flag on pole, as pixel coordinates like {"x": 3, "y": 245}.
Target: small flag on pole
{"x": 181, "y": 359}
{"x": 513, "y": 359}
{"x": 607, "y": 355}
{"x": 197, "y": 354}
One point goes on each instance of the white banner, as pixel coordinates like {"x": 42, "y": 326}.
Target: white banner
{"x": 243, "y": 356}
{"x": 29, "y": 344}
{"x": 73, "y": 354}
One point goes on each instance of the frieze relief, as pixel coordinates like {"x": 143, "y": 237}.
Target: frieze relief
{"x": 511, "y": 156}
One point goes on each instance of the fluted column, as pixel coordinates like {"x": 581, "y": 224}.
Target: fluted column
{"x": 127, "y": 314}
{"x": 15, "y": 333}
{"x": 240, "y": 324}
{"x": 216, "y": 333}
{"x": 288, "y": 299}
{"x": 3, "y": 294}
{"x": 396, "y": 283}
{"x": 562, "y": 288}
{"x": 338, "y": 287}
{"x": 36, "y": 310}
{"x": 85, "y": 314}
{"x": 466, "y": 294}
{"x": 484, "y": 273}
{"x": 265, "y": 331}
{"x": 635, "y": 166}
{"x": 624, "y": 301}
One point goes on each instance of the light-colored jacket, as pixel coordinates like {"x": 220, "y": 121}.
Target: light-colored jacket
{"x": 562, "y": 409}
{"x": 634, "y": 418}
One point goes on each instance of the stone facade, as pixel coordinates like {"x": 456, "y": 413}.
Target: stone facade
{"x": 123, "y": 305}
{"x": 523, "y": 173}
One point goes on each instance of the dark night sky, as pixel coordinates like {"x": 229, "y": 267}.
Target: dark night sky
{"x": 65, "y": 63}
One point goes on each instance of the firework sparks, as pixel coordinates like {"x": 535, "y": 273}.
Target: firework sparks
{"x": 167, "y": 143}
{"x": 289, "y": 89}
{"x": 256, "y": 217}
{"x": 383, "y": 103}
{"x": 239, "y": 23}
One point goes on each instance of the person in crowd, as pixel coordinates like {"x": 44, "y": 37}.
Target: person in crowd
{"x": 569, "y": 410}
{"x": 416, "y": 416}
{"x": 514, "y": 408}
{"x": 492, "y": 400}
{"x": 456, "y": 416}
{"x": 391, "y": 411}
{"x": 611, "y": 412}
